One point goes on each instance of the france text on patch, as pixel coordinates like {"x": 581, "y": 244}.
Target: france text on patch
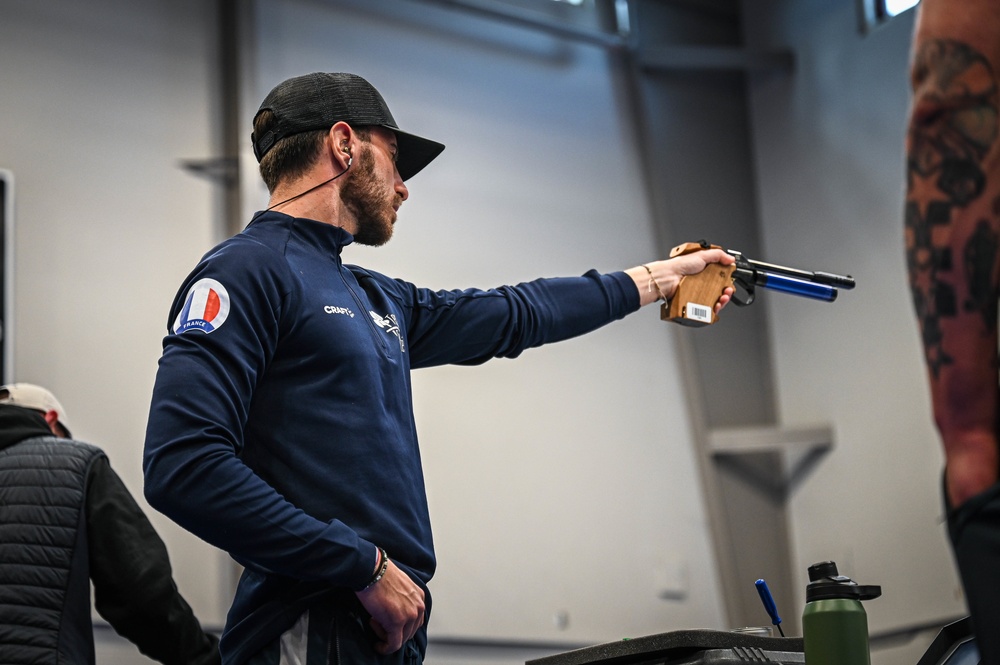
{"x": 205, "y": 307}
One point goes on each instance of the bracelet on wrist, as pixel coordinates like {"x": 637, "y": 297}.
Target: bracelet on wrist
{"x": 652, "y": 282}
{"x": 379, "y": 570}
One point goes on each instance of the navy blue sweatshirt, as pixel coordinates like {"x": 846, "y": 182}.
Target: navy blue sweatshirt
{"x": 281, "y": 428}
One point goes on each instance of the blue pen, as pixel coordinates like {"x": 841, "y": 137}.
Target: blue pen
{"x": 772, "y": 610}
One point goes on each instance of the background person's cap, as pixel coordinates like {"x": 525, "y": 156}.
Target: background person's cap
{"x": 30, "y": 396}
{"x": 321, "y": 100}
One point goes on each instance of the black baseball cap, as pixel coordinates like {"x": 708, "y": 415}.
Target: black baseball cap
{"x": 320, "y": 100}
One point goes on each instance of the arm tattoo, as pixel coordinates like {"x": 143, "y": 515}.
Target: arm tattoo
{"x": 946, "y": 147}
{"x": 980, "y": 256}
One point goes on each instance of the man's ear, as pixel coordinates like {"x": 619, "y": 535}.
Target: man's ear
{"x": 52, "y": 418}
{"x": 342, "y": 143}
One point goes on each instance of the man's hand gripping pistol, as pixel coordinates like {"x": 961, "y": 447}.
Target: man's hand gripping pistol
{"x": 694, "y": 300}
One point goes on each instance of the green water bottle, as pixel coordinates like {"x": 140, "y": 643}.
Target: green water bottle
{"x": 834, "y": 624}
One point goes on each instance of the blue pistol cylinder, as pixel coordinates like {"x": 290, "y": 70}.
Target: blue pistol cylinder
{"x": 797, "y": 287}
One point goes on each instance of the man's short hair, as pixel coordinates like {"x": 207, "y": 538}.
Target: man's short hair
{"x": 293, "y": 155}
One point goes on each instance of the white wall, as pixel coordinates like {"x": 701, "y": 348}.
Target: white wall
{"x": 830, "y": 162}
{"x": 100, "y": 101}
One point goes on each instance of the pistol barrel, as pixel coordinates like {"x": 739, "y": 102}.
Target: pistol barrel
{"x": 829, "y": 278}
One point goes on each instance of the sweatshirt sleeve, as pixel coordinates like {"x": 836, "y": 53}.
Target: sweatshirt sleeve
{"x": 472, "y": 326}
{"x": 134, "y": 589}
{"x": 226, "y": 322}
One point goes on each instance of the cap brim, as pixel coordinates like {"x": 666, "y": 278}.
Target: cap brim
{"x": 415, "y": 153}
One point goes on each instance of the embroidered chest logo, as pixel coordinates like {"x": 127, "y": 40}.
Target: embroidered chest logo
{"x": 206, "y": 307}
{"x": 333, "y": 309}
{"x": 389, "y": 324}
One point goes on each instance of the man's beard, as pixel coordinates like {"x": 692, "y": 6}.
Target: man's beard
{"x": 365, "y": 197}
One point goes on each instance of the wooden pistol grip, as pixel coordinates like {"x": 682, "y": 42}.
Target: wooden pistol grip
{"x": 690, "y": 247}
{"x": 694, "y": 300}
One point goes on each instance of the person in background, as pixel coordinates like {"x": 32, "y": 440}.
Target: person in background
{"x": 66, "y": 520}
{"x": 952, "y": 237}
{"x": 281, "y": 427}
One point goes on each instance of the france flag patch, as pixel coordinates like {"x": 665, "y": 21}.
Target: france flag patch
{"x": 205, "y": 307}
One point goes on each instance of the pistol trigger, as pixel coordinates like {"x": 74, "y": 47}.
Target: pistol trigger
{"x": 747, "y": 288}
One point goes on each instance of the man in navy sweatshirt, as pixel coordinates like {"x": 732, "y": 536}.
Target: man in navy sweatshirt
{"x": 281, "y": 428}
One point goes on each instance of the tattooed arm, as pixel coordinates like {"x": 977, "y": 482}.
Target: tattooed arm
{"x": 953, "y": 229}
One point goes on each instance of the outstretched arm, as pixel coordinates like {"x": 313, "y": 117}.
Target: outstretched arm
{"x": 952, "y": 228}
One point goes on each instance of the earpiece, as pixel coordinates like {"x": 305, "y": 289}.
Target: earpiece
{"x": 350, "y": 158}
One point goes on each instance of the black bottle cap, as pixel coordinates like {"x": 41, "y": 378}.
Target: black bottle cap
{"x": 826, "y": 583}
